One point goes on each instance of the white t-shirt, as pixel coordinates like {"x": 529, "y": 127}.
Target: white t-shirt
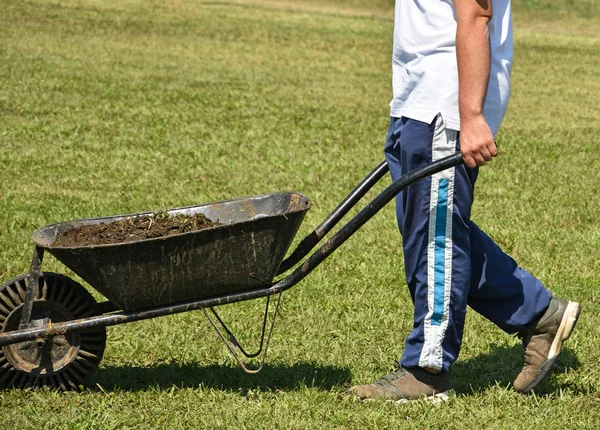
{"x": 424, "y": 66}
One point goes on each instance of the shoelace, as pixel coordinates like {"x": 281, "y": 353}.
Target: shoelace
{"x": 391, "y": 377}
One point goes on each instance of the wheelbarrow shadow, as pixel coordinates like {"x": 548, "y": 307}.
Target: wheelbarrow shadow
{"x": 271, "y": 378}
{"x": 501, "y": 365}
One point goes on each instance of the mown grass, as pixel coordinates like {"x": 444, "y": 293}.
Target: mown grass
{"x": 119, "y": 107}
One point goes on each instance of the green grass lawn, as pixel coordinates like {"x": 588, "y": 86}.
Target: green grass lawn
{"x": 128, "y": 106}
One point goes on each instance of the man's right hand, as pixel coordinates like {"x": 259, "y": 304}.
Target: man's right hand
{"x": 477, "y": 143}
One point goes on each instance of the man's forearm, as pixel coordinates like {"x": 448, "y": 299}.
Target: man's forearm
{"x": 473, "y": 55}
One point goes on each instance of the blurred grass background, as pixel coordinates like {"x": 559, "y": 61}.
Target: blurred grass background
{"x": 119, "y": 107}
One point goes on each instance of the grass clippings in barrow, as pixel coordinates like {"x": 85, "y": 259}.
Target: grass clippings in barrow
{"x": 133, "y": 229}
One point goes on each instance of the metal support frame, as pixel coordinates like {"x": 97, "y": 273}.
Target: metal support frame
{"x": 35, "y": 271}
{"x": 233, "y": 344}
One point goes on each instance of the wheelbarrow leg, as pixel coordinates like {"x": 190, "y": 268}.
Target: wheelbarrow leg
{"x": 35, "y": 271}
{"x": 233, "y": 344}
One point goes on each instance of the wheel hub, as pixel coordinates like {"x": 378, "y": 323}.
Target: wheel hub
{"x": 43, "y": 355}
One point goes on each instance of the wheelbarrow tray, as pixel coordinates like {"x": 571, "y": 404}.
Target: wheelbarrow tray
{"x": 243, "y": 252}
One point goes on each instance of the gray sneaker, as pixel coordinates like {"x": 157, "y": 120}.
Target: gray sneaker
{"x": 543, "y": 339}
{"x": 406, "y": 384}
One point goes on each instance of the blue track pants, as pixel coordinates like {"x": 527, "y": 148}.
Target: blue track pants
{"x": 449, "y": 262}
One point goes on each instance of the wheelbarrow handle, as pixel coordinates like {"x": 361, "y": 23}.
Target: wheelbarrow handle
{"x": 309, "y": 242}
{"x": 364, "y": 215}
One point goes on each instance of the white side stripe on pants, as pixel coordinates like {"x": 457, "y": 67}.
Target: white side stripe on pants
{"x": 439, "y": 249}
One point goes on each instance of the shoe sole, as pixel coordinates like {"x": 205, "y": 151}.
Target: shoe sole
{"x": 567, "y": 324}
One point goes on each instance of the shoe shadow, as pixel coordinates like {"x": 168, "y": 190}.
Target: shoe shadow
{"x": 501, "y": 366}
{"x": 271, "y": 377}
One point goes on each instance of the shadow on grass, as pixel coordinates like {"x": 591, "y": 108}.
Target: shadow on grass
{"x": 475, "y": 375}
{"x": 502, "y": 365}
{"x": 272, "y": 377}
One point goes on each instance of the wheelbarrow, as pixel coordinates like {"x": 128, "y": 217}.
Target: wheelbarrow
{"x": 54, "y": 332}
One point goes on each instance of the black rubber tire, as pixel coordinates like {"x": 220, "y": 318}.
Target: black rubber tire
{"x": 63, "y": 361}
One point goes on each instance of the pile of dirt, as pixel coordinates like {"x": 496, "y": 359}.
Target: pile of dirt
{"x": 159, "y": 224}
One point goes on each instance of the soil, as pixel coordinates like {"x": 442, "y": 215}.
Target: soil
{"x": 159, "y": 224}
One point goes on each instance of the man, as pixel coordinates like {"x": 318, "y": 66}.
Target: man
{"x": 451, "y": 82}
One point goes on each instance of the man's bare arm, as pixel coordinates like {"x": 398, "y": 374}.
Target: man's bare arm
{"x": 473, "y": 55}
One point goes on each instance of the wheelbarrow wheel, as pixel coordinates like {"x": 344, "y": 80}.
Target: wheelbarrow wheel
{"x": 62, "y": 361}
